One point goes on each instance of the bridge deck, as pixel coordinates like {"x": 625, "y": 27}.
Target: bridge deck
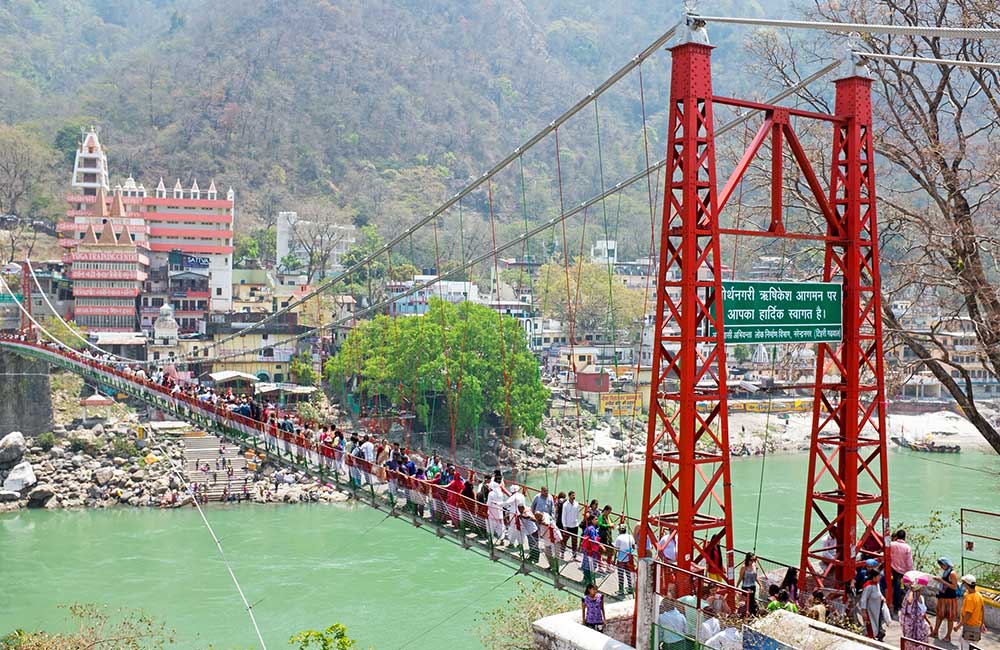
{"x": 430, "y": 507}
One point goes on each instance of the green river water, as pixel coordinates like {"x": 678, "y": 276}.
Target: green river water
{"x": 391, "y": 584}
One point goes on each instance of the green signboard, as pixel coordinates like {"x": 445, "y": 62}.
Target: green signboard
{"x": 782, "y": 312}
{"x": 5, "y": 298}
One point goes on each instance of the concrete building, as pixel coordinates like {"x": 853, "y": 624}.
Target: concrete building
{"x": 416, "y": 304}
{"x": 271, "y": 343}
{"x": 185, "y": 236}
{"x": 604, "y": 251}
{"x": 107, "y": 273}
{"x": 291, "y": 230}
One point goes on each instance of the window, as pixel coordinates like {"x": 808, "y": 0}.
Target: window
{"x": 278, "y": 377}
{"x": 218, "y": 291}
{"x": 268, "y": 352}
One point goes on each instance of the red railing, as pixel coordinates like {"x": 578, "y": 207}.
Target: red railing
{"x": 445, "y": 505}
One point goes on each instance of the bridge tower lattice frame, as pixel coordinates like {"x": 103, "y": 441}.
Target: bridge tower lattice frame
{"x": 687, "y": 442}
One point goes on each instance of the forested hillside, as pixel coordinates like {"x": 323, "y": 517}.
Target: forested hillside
{"x": 379, "y": 107}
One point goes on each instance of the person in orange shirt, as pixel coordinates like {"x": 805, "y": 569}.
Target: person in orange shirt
{"x": 971, "y": 621}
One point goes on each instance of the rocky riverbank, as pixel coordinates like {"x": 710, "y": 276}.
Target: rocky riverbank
{"x": 107, "y": 465}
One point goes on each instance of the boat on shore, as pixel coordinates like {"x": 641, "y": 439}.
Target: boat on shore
{"x": 926, "y": 446}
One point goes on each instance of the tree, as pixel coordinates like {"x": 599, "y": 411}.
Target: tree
{"x": 97, "y": 627}
{"x": 934, "y": 124}
{"x": 301, "y": 369}
{"x": 741, "y": 353}
{"x": 508, "y": 627}
{"x": 290, "y": 263}
{"x": 247, "y": 250}
{"x": 452, "y": 353}
{"x": 64, "y": 333}
{"x": 365, "y": 284}
{"x": 26, "y": 165}
{"x": 66, "y": 141}
{"x": 332, "y": 638}
{"x": 591, "y": 304}
{"x": 319, "y": 231}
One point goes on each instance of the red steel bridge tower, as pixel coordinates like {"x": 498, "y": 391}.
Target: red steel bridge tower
{"x": 687, "y": 440}
{"x": 847, "y": 497}
{"x": 686, "y": 487}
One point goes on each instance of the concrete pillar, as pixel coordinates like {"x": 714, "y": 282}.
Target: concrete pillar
{"x": 27, "y": 397}
{"x": 647, "y": 602}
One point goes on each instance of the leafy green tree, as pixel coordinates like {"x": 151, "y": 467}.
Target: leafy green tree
{"x": 458, "y": 354}
{"x": 247, "y": 249}
{"x": 592, "y": 302}
{"x": 64, "y": 333}
{"x": 302, "y": 370}
{"x": 290, "y": 263}
{"x": 332, "y": 638}
{"x": 65, "y": 142}
{"x": 365, "y": 284}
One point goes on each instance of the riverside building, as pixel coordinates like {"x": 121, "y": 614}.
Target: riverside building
{"x": 180, "y": 241}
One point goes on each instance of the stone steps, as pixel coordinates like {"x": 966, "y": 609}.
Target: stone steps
{"x": 205, "y": 450}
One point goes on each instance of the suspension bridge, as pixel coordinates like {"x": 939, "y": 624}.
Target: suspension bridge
{"x": 692, "y": 211}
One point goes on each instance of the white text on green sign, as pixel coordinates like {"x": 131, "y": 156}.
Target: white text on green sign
{"x": 782, "y": 312}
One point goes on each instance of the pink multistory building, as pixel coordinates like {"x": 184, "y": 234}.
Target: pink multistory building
{"x": 170, "y": 247}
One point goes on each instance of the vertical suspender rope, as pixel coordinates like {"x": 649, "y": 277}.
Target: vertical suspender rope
{"x": 416, "y": 367}
{"x": 462, "y": 319}
{"x": 569, "y": 304}
{"x": 520, "y": 272}
{"x": 503, "y": 343}
{"x": 649, "y": 273}
{"x": 395, "y": 335}
{"x": 452, "y": 398}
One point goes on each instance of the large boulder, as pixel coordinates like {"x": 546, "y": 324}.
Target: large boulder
{"x": 103, "y": 475}
{"x": 12, "y": 448}
{"x": 9, "y": 495}
{"x": 20, "y": 478}
{"x": 40, "y": 494}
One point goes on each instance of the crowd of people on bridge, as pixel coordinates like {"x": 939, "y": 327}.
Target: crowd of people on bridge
{"x": 560, "y": 526}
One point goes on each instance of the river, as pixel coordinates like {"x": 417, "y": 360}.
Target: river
{"x": 391, "y": 584}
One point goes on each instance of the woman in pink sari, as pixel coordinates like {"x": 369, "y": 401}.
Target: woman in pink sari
{"x": 913, "y": 616}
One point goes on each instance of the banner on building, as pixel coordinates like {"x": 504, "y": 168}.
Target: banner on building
{"x": 90, "y": 256}
{"x": 782, "y": 312}
{"x": 105, "y": 292}
{"x": 104, "y": 310}
{"x": 186, "y": 261}
{"x": 105, "y": 274}
{"x": 619, "y": 404}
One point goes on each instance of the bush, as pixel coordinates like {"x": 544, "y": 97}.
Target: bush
{"x": 308, "y": 411}
{"x": 124, "y": 448}
{"x": 81, "y": 445}
{"x": 47, "y": 440}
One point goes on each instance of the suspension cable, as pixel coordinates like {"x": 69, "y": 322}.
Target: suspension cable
{"x": 71, "y": 329}
{"x": 473, "y": 185}
{"x": 563, "y": 216}
{"x": 859, "y": 28}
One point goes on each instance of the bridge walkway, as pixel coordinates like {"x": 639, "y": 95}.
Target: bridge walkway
{"x": 430, "y": 507}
